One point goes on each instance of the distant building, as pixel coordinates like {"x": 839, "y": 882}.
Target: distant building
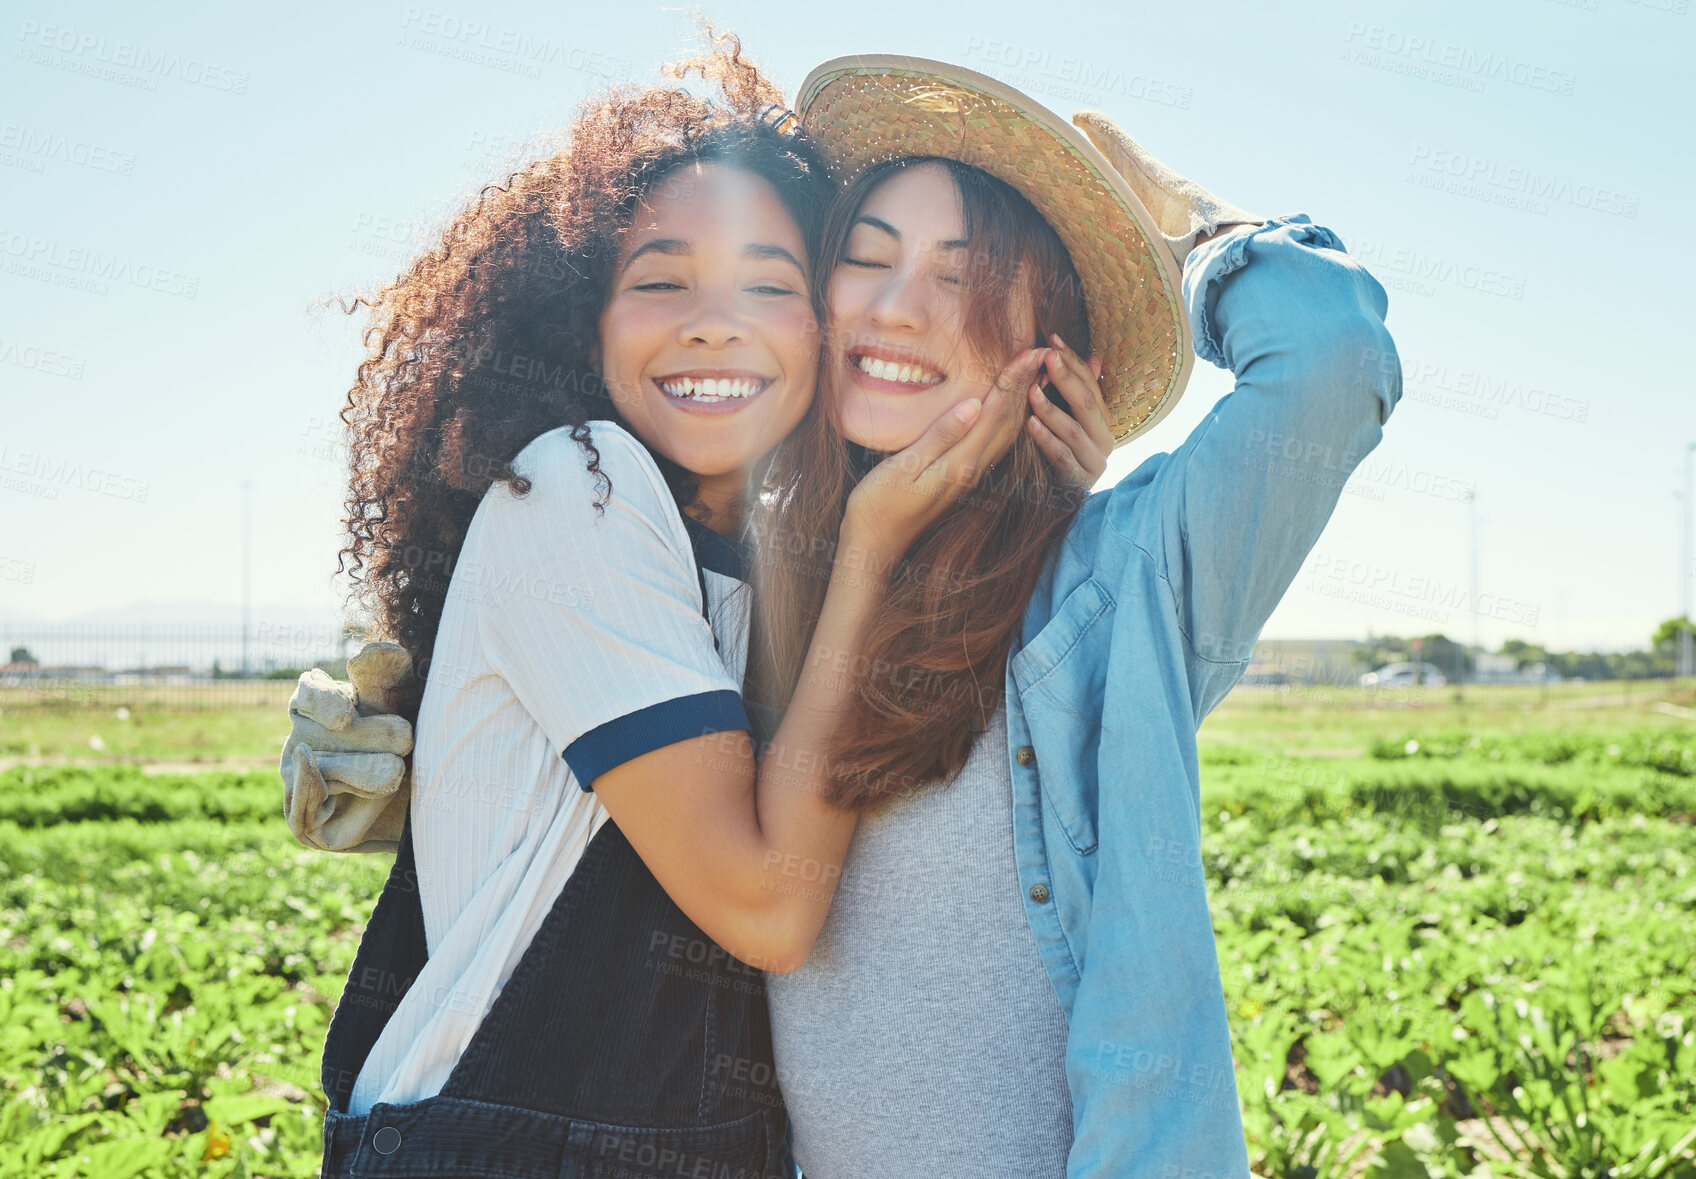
{"x": 1486, "y": 667}
{"x": 1303, "y": 661}
{"x": 1501, "y": 669}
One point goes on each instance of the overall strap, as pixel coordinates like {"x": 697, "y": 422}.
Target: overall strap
{"x": 391, "y": 954}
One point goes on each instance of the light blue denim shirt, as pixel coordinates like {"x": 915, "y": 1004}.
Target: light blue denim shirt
{"x": 1143, "y": 622}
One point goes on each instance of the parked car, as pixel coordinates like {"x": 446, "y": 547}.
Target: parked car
{"x": 1404, "y": 675}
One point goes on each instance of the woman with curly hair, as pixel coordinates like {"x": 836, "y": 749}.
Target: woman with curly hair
{"x": 557, "y": 439}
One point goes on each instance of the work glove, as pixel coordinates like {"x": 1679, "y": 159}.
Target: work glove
{"x": 1183, "y": 210}
{"x": 346, "y": 784}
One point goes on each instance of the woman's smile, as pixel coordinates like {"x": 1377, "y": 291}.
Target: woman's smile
{"x": 889, "y": 368}
{"x": 899, "y": 296}
{"x": 712, "y": 391}
{"x": 711, "y": 344}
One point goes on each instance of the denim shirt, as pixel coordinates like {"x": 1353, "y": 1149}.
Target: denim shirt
{"x": 1139, "y": 627}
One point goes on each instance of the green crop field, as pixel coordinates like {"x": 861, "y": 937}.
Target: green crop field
{"x": 1456, "y": 932}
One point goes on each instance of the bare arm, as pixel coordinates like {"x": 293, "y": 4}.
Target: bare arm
{"x": 752, "y": 857}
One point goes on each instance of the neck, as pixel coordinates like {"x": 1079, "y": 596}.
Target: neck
{"x": 862, "y": 459}
{"x": 719, "y": 500}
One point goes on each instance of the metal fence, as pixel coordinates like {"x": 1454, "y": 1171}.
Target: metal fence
{"x": 177, "y": 666}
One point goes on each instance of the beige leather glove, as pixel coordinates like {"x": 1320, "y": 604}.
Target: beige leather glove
{"x": 1182, "y": 209}
{"x": 345, "y": 781}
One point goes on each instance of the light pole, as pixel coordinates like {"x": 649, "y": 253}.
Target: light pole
{"x": 1472, "y": 517}
{"x": 1686, "y": 658}
{"x": 246, "y": 570}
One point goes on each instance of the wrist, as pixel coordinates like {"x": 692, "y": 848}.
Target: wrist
{"x": 1224, "y": 226}
{"x": 864, "y": 560}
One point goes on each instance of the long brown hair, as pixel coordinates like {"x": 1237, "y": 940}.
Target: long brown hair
{"x": 931, "y": 678}
{"x": 485, "y": 341}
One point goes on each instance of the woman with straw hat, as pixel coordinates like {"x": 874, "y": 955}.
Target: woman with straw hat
{"x": 1018, "y": 975}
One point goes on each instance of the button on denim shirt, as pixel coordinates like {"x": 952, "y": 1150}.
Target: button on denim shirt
{"x": 1139, "y": 627}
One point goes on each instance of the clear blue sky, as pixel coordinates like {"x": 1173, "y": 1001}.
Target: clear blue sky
{"x": 177, "y": 188}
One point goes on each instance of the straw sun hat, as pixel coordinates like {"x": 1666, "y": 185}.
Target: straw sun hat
{"x": 866, "y": 109}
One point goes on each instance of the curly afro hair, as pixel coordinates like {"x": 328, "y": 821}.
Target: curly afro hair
{"x": 485, "y": 341}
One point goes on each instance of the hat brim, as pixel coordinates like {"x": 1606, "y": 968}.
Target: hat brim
{"x": 865, "y": 109}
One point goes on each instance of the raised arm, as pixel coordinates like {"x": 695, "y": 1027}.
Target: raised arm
{"x": 1226, "y": 521}
{"x": 1244, "y": 499}
{"x": 1226, "y": 529}
{"x": 1281, "y": 305}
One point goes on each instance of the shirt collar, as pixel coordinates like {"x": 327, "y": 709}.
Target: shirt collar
{"x": 721, "y": 554}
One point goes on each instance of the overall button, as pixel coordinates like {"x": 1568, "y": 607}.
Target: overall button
{"x": 1026, "y": 755}
{"x": 1039, "y": 894}
{"x": 386, "y": 1140}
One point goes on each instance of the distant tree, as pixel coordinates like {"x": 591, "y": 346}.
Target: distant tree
{"x": 1646, "y": 665}
{"x": 1666, "y": 634}
{"x": 1524, "y": 654}
{"x": 1449, "y": 656}
{"x": 1379, "y": 650}
{"x": 1663, "y": 644}
{"x": 22, "y": 655}
{"x": 1591, "y": 665}
{"x": 1658, "y": 662}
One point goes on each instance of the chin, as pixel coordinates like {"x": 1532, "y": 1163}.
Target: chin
{"x": 885, "y": 430}
{"x": 711, "y": 461}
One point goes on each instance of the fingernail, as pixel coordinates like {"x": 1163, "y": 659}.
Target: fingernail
{"x": 968, "y": 409}
{"x": 1058, "y": 342}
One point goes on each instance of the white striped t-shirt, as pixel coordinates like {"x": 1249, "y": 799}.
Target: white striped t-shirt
{"x": 571, "y": 642}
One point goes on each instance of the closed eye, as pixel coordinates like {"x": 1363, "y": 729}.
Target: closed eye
{"x": 768, "y": 289}
{"x": 864, "y": 264}
{"x": 657, "y": 285}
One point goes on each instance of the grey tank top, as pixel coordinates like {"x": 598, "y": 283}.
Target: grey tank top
{"x": 922, "y": 1037}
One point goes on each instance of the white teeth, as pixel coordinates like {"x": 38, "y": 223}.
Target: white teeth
{"x": 904, "y": 374}
{"x": 712, "y": 389}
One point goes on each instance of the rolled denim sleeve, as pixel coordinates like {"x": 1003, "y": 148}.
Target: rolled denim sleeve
{"x": 1239, "y": 505}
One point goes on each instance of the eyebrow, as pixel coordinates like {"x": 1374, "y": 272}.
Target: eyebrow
{"x": 660, "y": 245}
{"x": 766, "y": 250}
{"x": 877, "y": 223}
{"x": 676, "y": 247}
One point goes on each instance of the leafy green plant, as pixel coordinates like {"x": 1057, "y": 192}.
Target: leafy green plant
{"x": 1467, "y": 960}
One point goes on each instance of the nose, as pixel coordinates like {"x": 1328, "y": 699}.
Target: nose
{"x": 713, "y": 321}
{"x": 901, "y": 304}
